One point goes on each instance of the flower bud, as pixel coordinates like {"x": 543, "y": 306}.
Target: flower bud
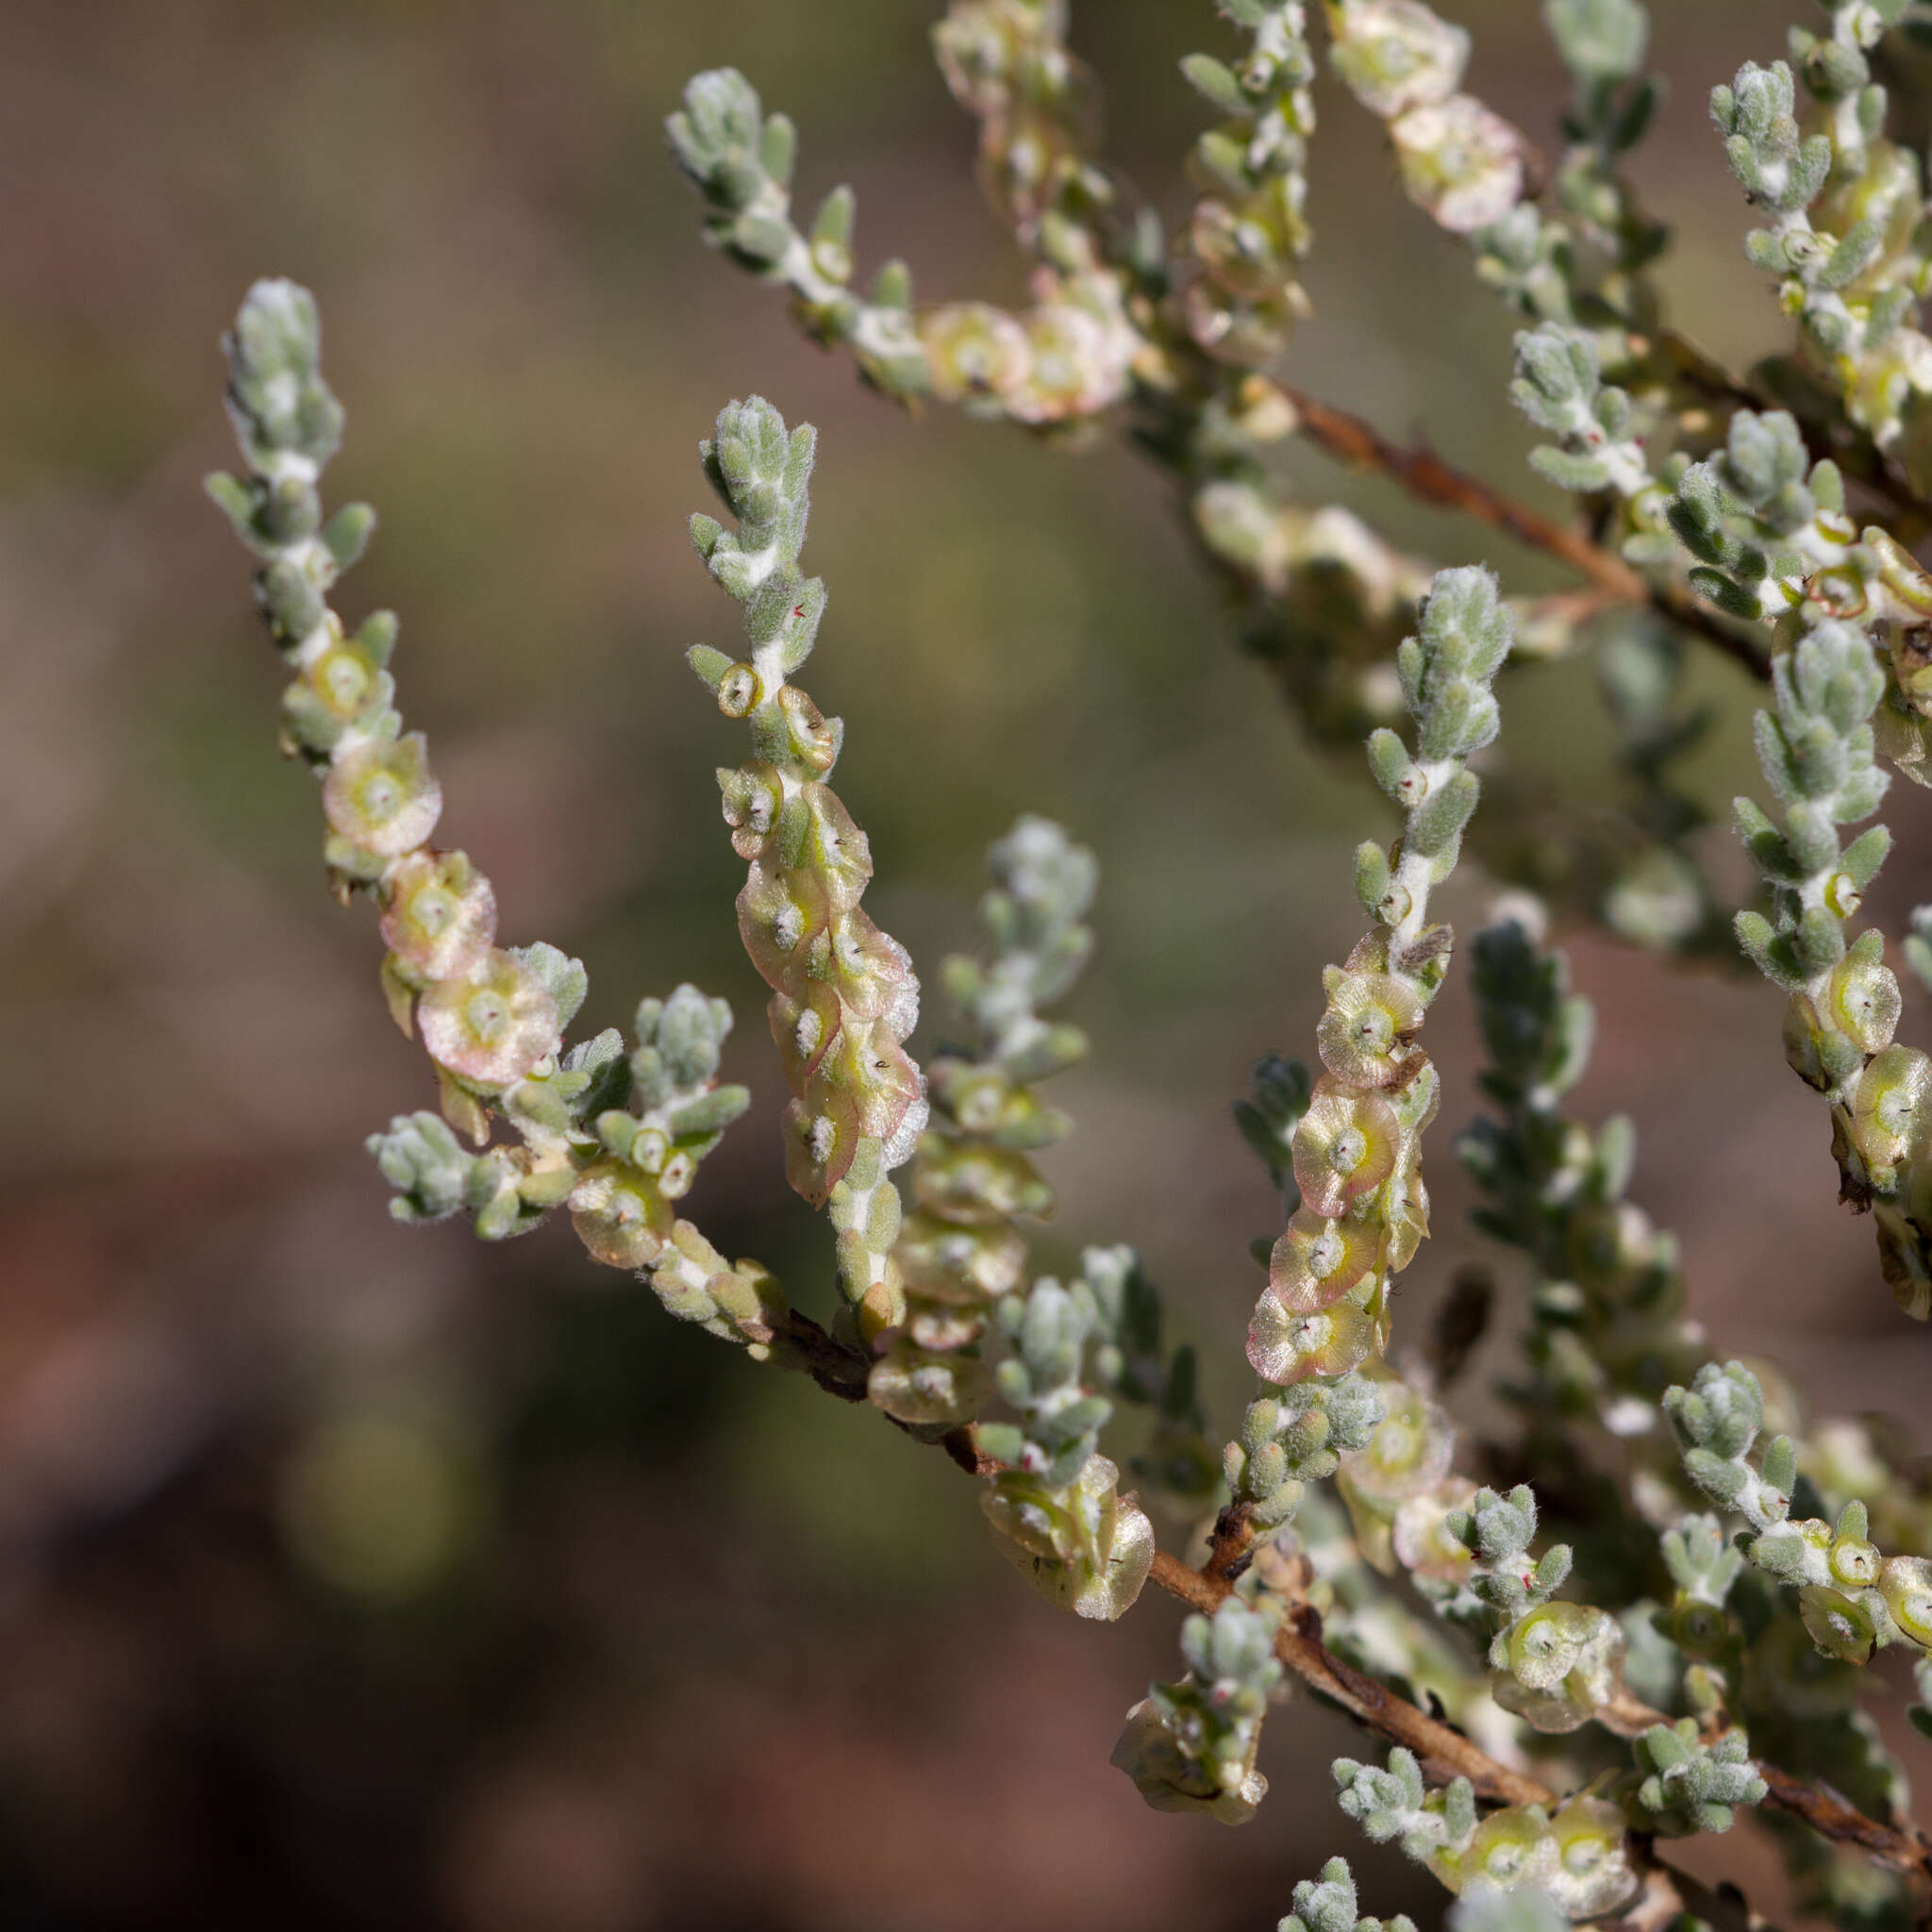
{"x": 921, "y": 1387}
{"x": 1241, "y": 333}
{"x": 804, "y": 1030}
{"x": 1905, "y": 1253}
{"x": 1415, "y": 1097}
{"x": 1407, "y": 1223}
{"x": 1805, "y": 1044}
{"x": 1547, "y": 1644}
{"x": 866, "y": 1062}
{"x": 870, "y": 971}
{"x": 1699, "y": 1629}
{"x": 1570, "y": 1703}
{"x": 820, "y": 1142}
{"x": 1905, "y": 1584}
{"x": 737, "y": 690}
{"x": 809, "y": 740}
{"x": 1088, "y": 1548}
{"x": 344, "y": 685}
{"x": 777, "y": 913}
{"x": 1169, "y": 1779}
{"x": 971, "y": 1181}
{"x": 1854, "y": 1562}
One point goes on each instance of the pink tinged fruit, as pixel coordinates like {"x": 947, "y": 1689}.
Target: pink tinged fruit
{"x": 439, "y": 914}
{"x": 492, "y": 1027}
{"x": 383, "y": 797}
{"x": 1345, "y": 1146}
{"x": 1285, "y": 1348}
{"x": 1318, "y": 1260}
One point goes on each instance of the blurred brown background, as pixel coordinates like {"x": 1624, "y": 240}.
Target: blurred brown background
{"x": 358, "y": 1577}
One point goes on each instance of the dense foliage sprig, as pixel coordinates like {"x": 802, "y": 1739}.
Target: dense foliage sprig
{"x": 1172, "y": 334}
{"x": 1852, "y": 1597}
{"x": 1356, "y": 1148}
{"x": 1578, "y": 1858}
{"x": 1845, "y": 228}
{"x": 843, "y": 993}
{"x": 1817, "y": 754}
{"x": 1608, "y": 1330}
{"x": 1190, "y": 1746}
{"x": 974, "y": 1180}
{"x": 617, "y": 1137}
{"x": 1328, "y": 1905}
{"x": 1057, "y": 1503}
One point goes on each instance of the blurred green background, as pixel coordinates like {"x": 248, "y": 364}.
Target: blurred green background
{"x": 355, "y": 1577}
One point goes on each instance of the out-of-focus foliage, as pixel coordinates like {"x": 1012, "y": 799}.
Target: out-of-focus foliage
{"x": 349, "y": 1579}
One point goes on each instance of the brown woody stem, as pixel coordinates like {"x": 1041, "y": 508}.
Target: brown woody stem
{"x": 1445, "y": 1752}
{"x": 1904, "y": 1847}
{"x": 1425, "y": 475}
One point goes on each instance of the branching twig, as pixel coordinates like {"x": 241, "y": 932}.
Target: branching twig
{"x": 1425, "y": 475}
{"x": 1904, "y": 1847}
{"x": 1443, "y": 1753}
{"x": 1856, "y": 456}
